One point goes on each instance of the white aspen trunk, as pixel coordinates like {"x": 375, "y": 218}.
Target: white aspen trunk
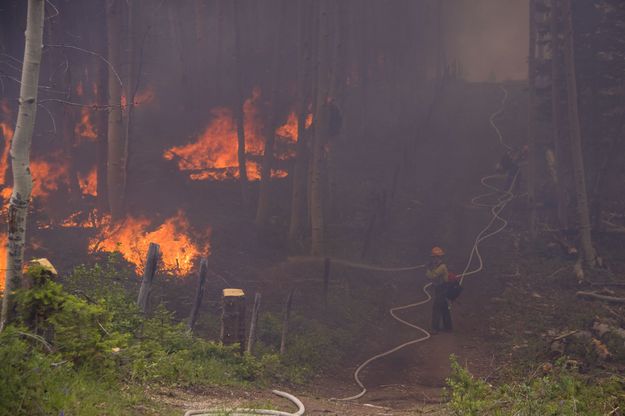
{"x": 20, "y": 153}
{"x": 588, "y": 250}
{"x": 116, "y": 141}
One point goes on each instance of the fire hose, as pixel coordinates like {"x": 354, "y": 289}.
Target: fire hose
{"x": 251, "y": 412}
{"x": 485, "y": 233}
{"x": 495, "y": 209}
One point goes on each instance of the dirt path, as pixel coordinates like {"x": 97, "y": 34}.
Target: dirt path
{"x": 447, "y": 178}
{"x": 411, "y": 381}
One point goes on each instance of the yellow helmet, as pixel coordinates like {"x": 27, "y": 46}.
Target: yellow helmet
{"x": 437, "y": 252}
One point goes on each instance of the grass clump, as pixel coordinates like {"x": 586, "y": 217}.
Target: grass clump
{"x": 559, "y": 391}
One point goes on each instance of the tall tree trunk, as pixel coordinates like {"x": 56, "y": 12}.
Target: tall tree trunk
{"x": 69, "y": 137}
{"x": 99, "y": 42}
{"x": 240, "y": 116}
{"x": 300, "y": 175}
{"x": 132, "y": 82}
{"x": 576, "y": 138}
{"x": 116, "y": 140}
{"x": 556, "y": 106}
{"x": 324, "y": 80}
{"x": 363, "y": 67}
{"x": 531, "y": 122}
{"x": 263, "y": 211}
{"x": 20, "y": 154}
{"x": 440, "y": 48}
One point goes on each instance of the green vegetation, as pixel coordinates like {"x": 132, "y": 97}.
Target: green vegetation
{"x": 81, "y": 346}
{"x": 84, "y": 348}
{"x": 559, "y": 390}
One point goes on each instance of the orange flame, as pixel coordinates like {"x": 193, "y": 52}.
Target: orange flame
{"x": 7, "y": 134}
{"x": 47, "y": 177}
{"x": 89, "y": 182}
{"x": 85, "y": 128}
{"x": 288, "y": 131}
{"x": 80, "y": 90}
{"x": 132, "y": 238}
{"x": 146, "y": 96}
{"x": 213, "y": 155}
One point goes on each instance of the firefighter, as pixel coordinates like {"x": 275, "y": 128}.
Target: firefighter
{"x": 438, "y": 274}
{"x": 510, "y": 164}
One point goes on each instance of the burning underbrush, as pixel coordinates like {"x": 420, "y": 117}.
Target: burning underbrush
{"x": 213, "y": 154}
{"x": 180, "y": 245}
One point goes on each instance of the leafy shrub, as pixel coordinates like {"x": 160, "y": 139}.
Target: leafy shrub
{"x": 560, "y": 392}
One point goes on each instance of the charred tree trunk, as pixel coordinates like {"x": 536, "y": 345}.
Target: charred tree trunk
{"x": 132, "y": 83}
{"x": 576, "y": 138}
{"x": 101, "y": 116}
{"x": 263, "y": 211}
{"x": 318, "y": 173}
{"x": 116, "y": 140}
{"x": 531, "y": 121}
{"x": 556, "y": 105}
{"x": 20, "y": 154}
{"x": 240, "y": 117}
{"x": 69, "y": 137}
{"x": 300, "y": 175}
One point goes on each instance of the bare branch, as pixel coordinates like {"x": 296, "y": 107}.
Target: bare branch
{"x": 41, "y": 87}
{"x": 90, "y": 53}
{"x": 55, "y": 10}
{"x": 94, "y": 107}
{"x": 51, "y": 117}
{"x": 12, "y": 57}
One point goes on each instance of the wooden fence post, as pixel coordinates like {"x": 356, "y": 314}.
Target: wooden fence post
{"x": 252, "y": 335}
{"x": 233, "y": 318}
{"x": 285, "y": 321}
{"x": 151, "y": 265}
{"x": 199, "y": 293}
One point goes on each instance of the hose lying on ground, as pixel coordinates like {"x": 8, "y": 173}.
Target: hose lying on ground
{"x": 496, "y": 209}
{"x": 251, "y": 412}
{"x": 502, "y": 201}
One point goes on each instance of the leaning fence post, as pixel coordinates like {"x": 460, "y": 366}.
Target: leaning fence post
{"x": 233, "y": 318}
{"x": 149, "y": 271}
{"x": 251, "y": 339}
{"x": 199, "y": 293}
{"x": 285, "y": 321}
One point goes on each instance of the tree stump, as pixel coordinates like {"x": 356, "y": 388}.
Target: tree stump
{"x": 233, "y": 318}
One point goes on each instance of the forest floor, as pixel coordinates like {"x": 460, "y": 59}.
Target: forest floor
{"x": 502, "y": 321}
{"x": 432, "y": 206}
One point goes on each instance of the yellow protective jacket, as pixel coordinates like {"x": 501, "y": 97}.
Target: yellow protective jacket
{"x": 438, "y": 275}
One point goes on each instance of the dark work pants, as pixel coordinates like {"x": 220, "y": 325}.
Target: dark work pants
{"x": 440, "y": 309}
